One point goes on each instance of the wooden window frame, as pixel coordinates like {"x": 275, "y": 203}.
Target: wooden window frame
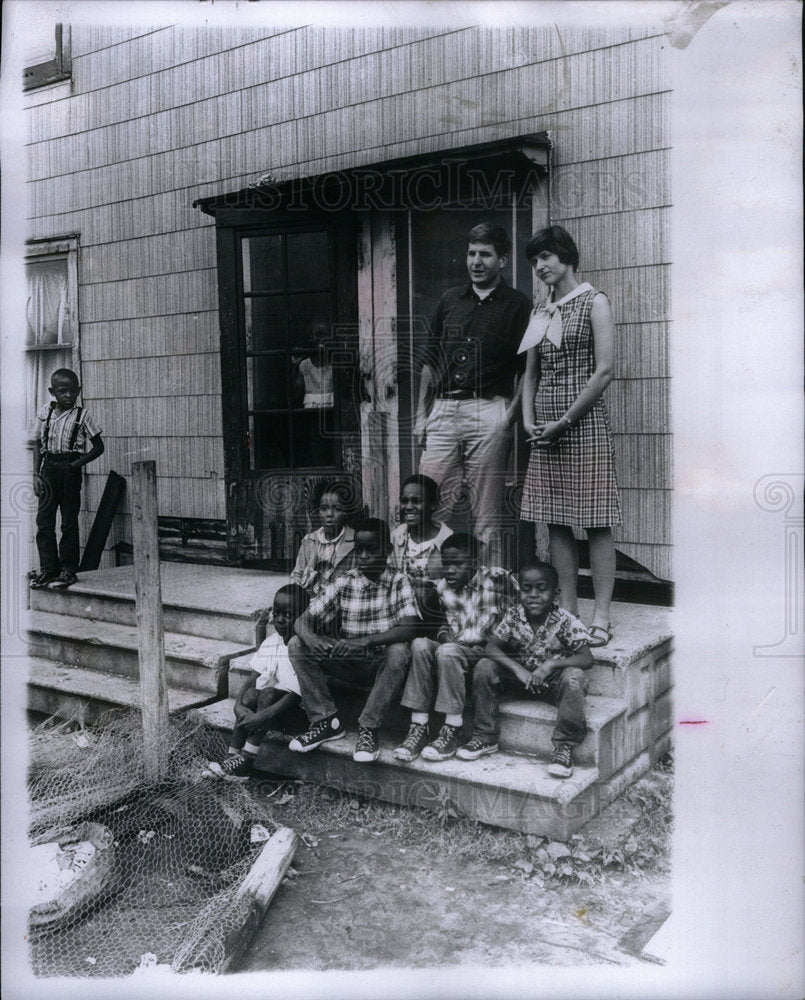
{"x": 54, "y": 70}
{"x": 250, "y": 412}
{"x": 59, "y": 249}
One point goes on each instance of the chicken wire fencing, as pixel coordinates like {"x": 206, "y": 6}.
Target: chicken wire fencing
{"x": 126, "y": 874}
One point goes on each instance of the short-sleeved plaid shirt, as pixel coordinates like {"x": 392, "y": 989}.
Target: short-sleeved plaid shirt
{"x": 362, "y": 607}
{"x": 473, "y": 611}
{"x": 560, "y": 635}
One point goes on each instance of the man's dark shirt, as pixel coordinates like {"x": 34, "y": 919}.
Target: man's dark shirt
{"x": 473, "y": 343}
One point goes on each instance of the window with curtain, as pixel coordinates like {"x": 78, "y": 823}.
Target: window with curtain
{"x": 51, "y": 334}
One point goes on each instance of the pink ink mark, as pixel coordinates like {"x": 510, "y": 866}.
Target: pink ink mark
{"x": 694, "y": 722}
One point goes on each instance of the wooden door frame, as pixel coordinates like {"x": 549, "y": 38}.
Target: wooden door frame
{"x": 231, "y": 226}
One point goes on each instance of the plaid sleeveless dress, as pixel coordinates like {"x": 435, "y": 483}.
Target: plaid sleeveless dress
{"x": 573, "y": 482}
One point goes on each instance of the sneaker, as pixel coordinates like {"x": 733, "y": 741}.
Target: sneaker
{"x": 320, "y": 732}
{"x": 477, "y": 747}
{"x": 413, "y": 743}
{"x": 42, "y": 580}
{"x": 367, "y": 747}
{"x": 65, "y": 579}
{"x": 235, "y": 765}
{"x": 561, "y": 765}
{"x": 445, "y": 744}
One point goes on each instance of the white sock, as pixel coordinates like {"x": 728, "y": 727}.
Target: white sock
{"x": 453, "y": 720}
{"x": 250, "y": 749}
{"x": 419, "y": 718}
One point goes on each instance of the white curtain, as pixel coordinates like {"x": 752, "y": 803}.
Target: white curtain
{"x": 47, "y": 303}
{"x": 47, "y": 326}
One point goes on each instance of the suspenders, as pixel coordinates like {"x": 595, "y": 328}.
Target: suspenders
{"x": 76, "y": 426}
{"x": 73, "y": 433}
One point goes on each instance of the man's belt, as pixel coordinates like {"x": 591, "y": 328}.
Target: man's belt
{"x": 462, "y": 394}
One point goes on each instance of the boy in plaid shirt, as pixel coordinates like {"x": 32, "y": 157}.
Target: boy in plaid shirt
{"x": 66, "y": 439}
{"x": 543, "y": 650}
{"x": 376, "y": 614}
{"x": 473, "y": 600}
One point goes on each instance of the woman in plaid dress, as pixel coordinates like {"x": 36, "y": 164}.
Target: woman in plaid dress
{"x": 571, "y": 479}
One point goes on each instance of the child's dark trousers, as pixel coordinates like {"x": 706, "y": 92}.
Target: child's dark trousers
{"x": 385, "y": 668}
{"x": 61, "y": 492}
{"x": 564, "y": 687}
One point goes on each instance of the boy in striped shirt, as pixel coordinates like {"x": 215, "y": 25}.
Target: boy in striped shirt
{"x": 66, "y": 439}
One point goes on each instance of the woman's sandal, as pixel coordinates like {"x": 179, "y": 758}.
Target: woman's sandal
{"x": 600, "y": 635}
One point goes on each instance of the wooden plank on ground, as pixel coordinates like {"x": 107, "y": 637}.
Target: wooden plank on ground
{"x": 258, "y": 889}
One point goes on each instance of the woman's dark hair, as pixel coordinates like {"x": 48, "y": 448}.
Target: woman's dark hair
{"x": 497, "y": 236}
{"x": 556, "y": 240}
{"x": 429, "y": 487}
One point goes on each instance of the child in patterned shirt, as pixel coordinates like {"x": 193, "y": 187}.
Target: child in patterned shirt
{"x": 416, "y": 545}
{"x": 543, "y": 650}
{"x": 66, "y": 439}
{"x": 328, "y": 552}
{"x": 473, "y": 599}
{"x": 358, "y": 629}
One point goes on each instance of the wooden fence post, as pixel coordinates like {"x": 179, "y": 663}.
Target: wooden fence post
{"x": 150, "y": 640}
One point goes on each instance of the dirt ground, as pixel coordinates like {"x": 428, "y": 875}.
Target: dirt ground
{"x": 357, "y": 898}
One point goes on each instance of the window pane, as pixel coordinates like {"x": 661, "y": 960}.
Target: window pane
{"x": 308, "y": 312}
{"x": 268, "y": 382}
{"x": 268, "y": 441}
{"x": 46, "y": 313}
{"x": 266, "y": 324}
{"x": 313, "y": 438}
{"x": 40, "y": 365}
{"x": 308, "y": 260}
{"x": 262, "y": 264}
{"x": 40, "y": 41}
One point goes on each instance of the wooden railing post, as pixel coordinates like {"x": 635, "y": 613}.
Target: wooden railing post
{"x": 150, "y": 640}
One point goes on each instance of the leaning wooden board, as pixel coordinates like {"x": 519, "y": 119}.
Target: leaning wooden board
{"x": 93, "y": 550}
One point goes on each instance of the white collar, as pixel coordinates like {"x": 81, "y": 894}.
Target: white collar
{"x": 546, "y": 320}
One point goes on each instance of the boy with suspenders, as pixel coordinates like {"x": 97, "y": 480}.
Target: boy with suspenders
{"x": 67, "y": 439}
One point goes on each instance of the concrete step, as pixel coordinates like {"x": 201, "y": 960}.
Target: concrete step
{"x": 75, "y": 692}
{"x": 525, "y": 725}
{"x": 98, "y": 597}
{"x": 504, "y": 789}
{"x": 193, "y": 663}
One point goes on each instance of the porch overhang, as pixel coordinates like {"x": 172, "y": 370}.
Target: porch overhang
{"x": 490, "y": 174}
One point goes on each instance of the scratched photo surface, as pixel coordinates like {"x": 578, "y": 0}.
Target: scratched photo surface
{"x": 237, "y": 224}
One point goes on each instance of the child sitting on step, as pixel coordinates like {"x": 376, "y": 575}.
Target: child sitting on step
{"x": 542, "y": 650}
{"x": 473, "y": 599}
{"x": 327, "y": 553}
{"x": 358, "y": 629}
{"x": 270, "y": 690}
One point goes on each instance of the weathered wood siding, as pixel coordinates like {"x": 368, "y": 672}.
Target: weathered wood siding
{"x": 156, "y": 118}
